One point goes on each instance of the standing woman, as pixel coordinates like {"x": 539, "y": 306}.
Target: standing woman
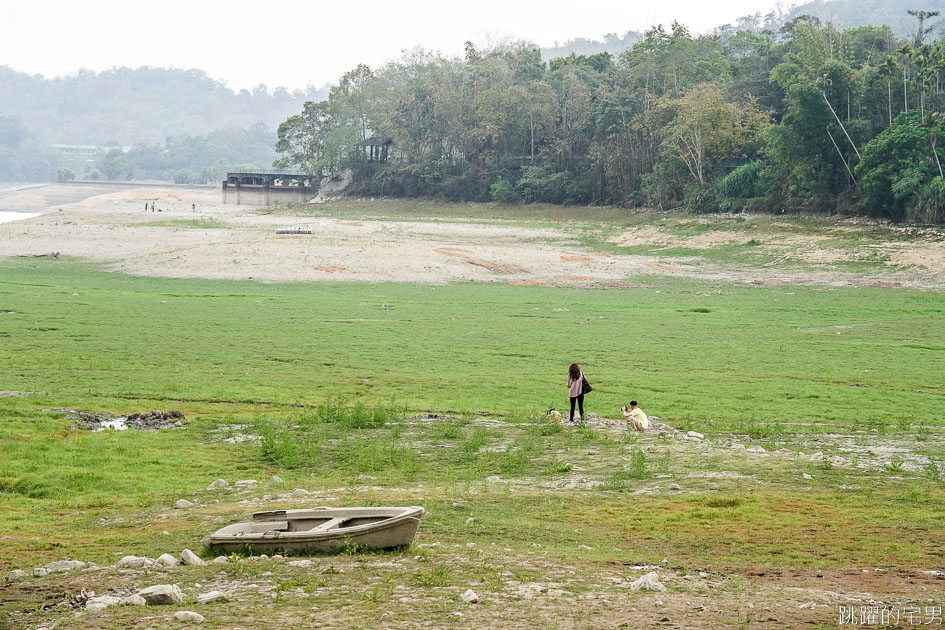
{"x": 577, "y": 388}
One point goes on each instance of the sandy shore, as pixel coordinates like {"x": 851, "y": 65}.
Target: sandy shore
{"x": 239, "y": 242}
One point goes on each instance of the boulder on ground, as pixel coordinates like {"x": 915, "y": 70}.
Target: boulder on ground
{"x": 649, "y": 582}
{"x": 14, "y": 575}
{"x": 134, "y": 562}
{"x": 189, "y": 557}
{"x": 470, "y": 596}
{"x": 167, "y": 560}
{"x": 219, "y": 484}
{"x": 101, "y": 602}
{"x": 162, "y": 594}
{"x": 210, "y": 596}
{"x": 133, "y": 600}
{"x": 188, "y": 615}
{"x": 695, "y": 434}
{"x": 220, "y": 560}
{"x": 183, "y": 504}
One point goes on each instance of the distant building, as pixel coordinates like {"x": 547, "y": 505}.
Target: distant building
{"x": 77, "y": 150}
{"x": 261, "y": 187}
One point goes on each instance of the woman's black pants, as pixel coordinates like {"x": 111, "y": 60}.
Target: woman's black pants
{"x": 580, "y": 401}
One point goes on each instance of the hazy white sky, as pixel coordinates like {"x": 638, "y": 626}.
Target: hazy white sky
{"x": 295, "y": 43}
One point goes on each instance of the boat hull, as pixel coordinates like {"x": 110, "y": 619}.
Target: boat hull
{"x": 325, "y": 530}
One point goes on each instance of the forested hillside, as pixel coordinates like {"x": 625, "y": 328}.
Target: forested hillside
{"x": 180, "y": 123}
{"x": 809, "y": 118}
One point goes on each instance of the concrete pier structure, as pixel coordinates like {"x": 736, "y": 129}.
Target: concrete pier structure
{"x": 260, "y": 187}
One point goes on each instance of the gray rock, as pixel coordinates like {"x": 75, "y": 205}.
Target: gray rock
{"x": 675, "y": 486}
{"x": 183, "y": 504}
{"x": 738, "y": 445}
{"x": 39, "y": 571}
{"x": 133, "y": 600}
{"x": 211, "y": 596}
{"x": 134, "y": 562}
{"x": 167, "y": 560}
{"x": 162, "y": 594}
{"x": 470, "y": 596}
{"x": 64, "y": 565}
{"x": 14, "y": 575}
{"x": 585, "y": 548}
{"x": 494, "y": 479}
{"x": 276, "y": 480}
{"x": 649, "y": 582}
{"x": 755, "y": 449}
{"x": 246, "y": 483}
{"x": 188, "y": 615}
{"x": 189, "y": 557}
{"x": 695, "y": 435}
{"x": 806, "y": 476}
{"x": 219, "y": 484}
{"x": 101, "y": 602}
{"x": 219, "y": 560}
{"x": 470, "y": 520}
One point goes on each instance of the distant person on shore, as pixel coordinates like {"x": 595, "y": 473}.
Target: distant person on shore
{"x": 145, "y": 206}
{"x": 635, "y": 417}
{"x": 577, "y": 387}
{"x": 152, "y": 206}
{"x": 193, "y": 207}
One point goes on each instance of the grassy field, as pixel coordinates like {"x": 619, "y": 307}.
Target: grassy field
{"x": 435, "y": 395}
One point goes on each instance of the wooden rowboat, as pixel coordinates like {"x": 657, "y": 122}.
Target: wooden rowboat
{"x": 320, "y": 529}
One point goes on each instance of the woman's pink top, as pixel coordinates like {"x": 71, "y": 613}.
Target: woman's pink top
{"x": 574, "y": 386}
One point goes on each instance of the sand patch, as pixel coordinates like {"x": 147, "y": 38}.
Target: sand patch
{"x": 578, "y": 278}
{"x": 661, "y": 266}
{"x": 569, "y": 257}
{"x": 926, "y": 255}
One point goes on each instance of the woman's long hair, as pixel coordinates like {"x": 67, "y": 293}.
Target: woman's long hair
{"x": 574, "y": 371}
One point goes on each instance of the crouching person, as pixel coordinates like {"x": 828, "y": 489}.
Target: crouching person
{"x": 635, "y": 417}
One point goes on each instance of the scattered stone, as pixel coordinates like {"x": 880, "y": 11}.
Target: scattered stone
{"x": 211, "y": 596}
{"x": 470, "y": 521}
{"x": 276, "y": 480}
{"x": 278, "y": 557}
{"x": 818, "y": 455}
{"x": 95, "y": 604}
{"x": 470, "y": 544}
{"x": 300, "y": 492}
{"x": 675, "y": 486}
{"x": 696, "y": 435}
{"x": 738, "y": 445}
{"x": 134, "y": 562}
{"x": 219, "y": 484}
{"x": 61, "y": 566}
{"x": 183, "y": 504}
{"x": 585, "y": 548}
{"x": 150, "y": 421}
{"x": 246, "y": 483}
{"x": 188, "y": 615}
{"x": 755, "y": 449}
{"x": 14, "y": 575}
{"x": 494, "y": 479}
{"x": 808, "y": 605}
{"x": 470, "y": 596}
{"x": 299, "y": 563}
{"x": 167, "y": 560}
{"x": 220, "y": 560}
{"x": 39, "y": 571}
{"x": 806, "y": 476}
{"x": 189, "y": 557}
{"x": 133, "y": 600}
{"x": 162, "y": 594}
{"x": 649, "y": 582}
{"x": 262, "y": 556}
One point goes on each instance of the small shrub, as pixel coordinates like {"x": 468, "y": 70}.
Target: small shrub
{"x": 895, "y": 465}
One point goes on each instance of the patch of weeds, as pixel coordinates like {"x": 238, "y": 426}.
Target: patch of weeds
{"x": 922, "y": 434}
{"x": 545, "y": 427}
{"x": 357, "y": 416}
{"x": 825, "y": 464}
{"x": 438, "y": 576}
{"x": 933, "y": 470}
{"x": 559, "y": 467}
{"x": 279, "y": 447}
{"x": 895, "y": 466}
{"x": 757, "y": 431}
{"x": 723, "y": 502}
{"x": 478, "y": 439}
{"x": 447, "y": 429}
{"x": 753, "y": 243}
{"x": 700, "y": 309}
{"x": 620, "y": 480}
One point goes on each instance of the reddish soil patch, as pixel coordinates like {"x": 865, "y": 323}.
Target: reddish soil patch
{"x": 662, "y": 266}
{"x": 330, "y": 269}
{"x": 350, "y": 223}
{"x": 576, "y": 258}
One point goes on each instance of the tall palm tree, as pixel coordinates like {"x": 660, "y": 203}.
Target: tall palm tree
{"x": 889, "y": 66}
{"x": 906, "y": 52}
